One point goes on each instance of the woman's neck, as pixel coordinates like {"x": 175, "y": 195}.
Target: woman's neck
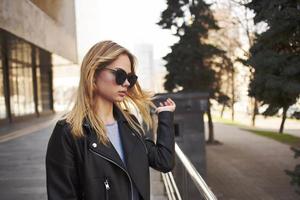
{"x": 104, "y": 110}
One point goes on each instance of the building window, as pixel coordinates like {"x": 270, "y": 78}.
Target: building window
{"x": 38, "y": 80}
{"x": 25, "y": 78}
{"x": 20, "y": 77}
{"x": 44, "y": 80}
{"x": 2, "y": 96}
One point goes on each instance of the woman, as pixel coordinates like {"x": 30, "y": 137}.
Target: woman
{"x": 99, "y": 150}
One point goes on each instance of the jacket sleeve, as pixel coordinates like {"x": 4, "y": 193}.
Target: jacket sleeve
{"x": 161, "y": 155}
{"x": 61, "y": 173}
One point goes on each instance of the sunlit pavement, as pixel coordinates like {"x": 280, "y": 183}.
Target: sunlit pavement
{"x": 249, "y": 167}
{"x": 22, "y": 168}
{"x": 156, "y": 186}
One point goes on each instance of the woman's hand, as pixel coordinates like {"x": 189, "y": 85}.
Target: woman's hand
{"x": 168, "y": 105}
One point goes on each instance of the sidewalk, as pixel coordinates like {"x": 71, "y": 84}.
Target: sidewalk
{"x": 157, "y": 187}
{"x": 249, "y": 167}
{"x": 22, "y": 169}
{"x": 11, "y": 131}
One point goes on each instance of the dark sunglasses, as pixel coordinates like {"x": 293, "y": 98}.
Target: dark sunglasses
{"x": 121, "y": 76}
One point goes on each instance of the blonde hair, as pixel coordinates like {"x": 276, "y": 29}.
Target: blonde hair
{"x": 99, "y": 56}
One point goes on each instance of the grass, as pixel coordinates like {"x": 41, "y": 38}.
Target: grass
{"x": 283, "y": 138}
{"x": 228, "y": 121}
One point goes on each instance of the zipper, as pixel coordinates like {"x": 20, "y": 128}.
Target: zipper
{"x": 107, "y": 187}
{"x": 117, "y": 166}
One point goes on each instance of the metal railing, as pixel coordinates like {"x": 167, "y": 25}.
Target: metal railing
{"x": 171, "y": 187}
{"x": 170, "y": 184}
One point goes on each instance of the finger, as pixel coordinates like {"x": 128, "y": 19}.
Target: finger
{"x": 170, "y": 101}
{"x": 161, "y": 104}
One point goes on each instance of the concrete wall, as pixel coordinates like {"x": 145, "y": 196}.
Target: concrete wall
{"x": 49, "y": 24}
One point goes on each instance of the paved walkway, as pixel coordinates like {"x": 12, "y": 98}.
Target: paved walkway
{"x": 157, "y": 187}
{"x": 22, "y": 168}
{"x": 249, "y": 167}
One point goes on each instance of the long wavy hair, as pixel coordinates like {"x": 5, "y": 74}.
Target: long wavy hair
{"x": 100, "y": 55}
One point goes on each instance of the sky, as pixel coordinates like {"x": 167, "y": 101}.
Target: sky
{"x": 126, "y": 22}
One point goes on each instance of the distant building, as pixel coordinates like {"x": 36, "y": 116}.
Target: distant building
{"x": 145, "y": 65}
{"x": 32, "y": 32}
{"x": 159, "y": 76}
{"x": 151, "y": 71}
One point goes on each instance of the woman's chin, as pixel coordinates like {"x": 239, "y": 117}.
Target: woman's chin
{"x": 119, "y": 99}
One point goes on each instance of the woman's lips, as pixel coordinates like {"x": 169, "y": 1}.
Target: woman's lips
{"x": 122, "y": 93}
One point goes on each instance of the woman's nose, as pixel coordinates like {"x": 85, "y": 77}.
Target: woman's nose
{"x": 126, "y": 83}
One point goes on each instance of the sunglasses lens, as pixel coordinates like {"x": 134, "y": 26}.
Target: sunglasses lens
{"x": 132, "y": 80}
{"x": 120, "y": 76}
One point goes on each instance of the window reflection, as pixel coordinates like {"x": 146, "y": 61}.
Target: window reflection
{"x": 26, "y": 73}
{"x": 44, "y": 80}
{"x": 2, "y": 97}
{"x": 20, "y": 73}
{"x": 38, "y": 79}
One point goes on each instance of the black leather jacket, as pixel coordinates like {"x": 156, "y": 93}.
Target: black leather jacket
{"x": 88, "y": 170}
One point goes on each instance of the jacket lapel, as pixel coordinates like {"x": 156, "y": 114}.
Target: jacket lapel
{"x": 128, "y": 138}
{"x": 106, "y": 151}
{"x": 133, "y": 147}
{"x": 136, "y": 158}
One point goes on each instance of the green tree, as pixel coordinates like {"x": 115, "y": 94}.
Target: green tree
{"x": 275, "y": 55}
{"x": 191, "y": 62}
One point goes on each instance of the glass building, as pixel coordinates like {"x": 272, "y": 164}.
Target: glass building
{"x": 31, "y": 32}
{"x": 25, "y": 79}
